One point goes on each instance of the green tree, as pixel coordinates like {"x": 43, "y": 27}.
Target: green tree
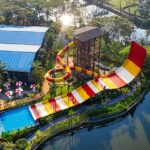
{"x": 39, "y": 134}
{"x": 21, "y": 12}
{"x": 54, "y": 8}
{"x": 8, "y": 146}
{"x": 2, "y": 19}
{"x": 113, "y": 28}
{"x": 34, "y": 12}
{"x": 144, "y": 9}
{"x": 3, "y": 74}
{"x": 7, "y": 136}
{"x": 37, "y": 72}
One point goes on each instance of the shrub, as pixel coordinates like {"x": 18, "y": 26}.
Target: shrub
{"x": 21, "y": 144}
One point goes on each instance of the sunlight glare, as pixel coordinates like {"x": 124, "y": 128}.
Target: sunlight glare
{"x": 66, "y": 20}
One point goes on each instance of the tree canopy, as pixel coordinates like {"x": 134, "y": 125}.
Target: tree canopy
{"x": 114, "y": 27}
{"x": 144, "y": 9}
{"x": 3, "y": 73}
{"x": 33, "y": 12}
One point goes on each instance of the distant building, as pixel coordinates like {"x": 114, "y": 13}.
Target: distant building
{"x": 18, "y": 48}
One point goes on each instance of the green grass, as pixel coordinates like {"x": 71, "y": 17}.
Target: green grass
{"x": 116, "y": 3}
{"x": 148, "y": 49}
{"x": 61, "y": 89}
{"x": 46, "y": 96}
{"x": 124, "y": 3}
{"x": 123, "y": 52}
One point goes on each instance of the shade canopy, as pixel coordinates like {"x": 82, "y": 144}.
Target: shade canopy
{"x": 87, "y": 33}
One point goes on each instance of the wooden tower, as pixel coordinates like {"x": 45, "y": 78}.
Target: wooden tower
{"x": 87, "y": 53}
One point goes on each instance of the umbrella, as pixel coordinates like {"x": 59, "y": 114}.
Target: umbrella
{"x": 9, "y": 94}
{"x": 7, "y": 85}
{"x": 33, "y": 87}
{"x": 19, "y": 83}
{"x": 19, "y": 91}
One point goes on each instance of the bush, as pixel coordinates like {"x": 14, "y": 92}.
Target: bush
{"x": 21, "y": 144}
{"x": 7, "y": 136}
{"x": 7, "y": 146}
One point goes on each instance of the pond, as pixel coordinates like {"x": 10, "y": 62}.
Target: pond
{"x": 131, "y": 132}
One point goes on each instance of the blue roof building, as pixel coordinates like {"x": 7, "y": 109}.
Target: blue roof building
{"x": 19, "y": 45}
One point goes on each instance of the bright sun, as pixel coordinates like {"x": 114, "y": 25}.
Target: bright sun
{"x": 66, "y": 20}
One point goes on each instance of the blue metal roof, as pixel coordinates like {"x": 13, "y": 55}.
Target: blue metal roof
{"x": 21, "y": 37}
{"x": 17, "y": 61}
{"x": 18, "y": 46}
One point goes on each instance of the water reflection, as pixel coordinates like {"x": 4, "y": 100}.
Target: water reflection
{"x": 139, "y": 34}
{"x": 132, "y": 132}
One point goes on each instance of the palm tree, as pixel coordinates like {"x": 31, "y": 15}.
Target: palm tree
{"x": 37, "y": 72}
{"x": 37, "y": 64}
{"x": 3, "y": 73}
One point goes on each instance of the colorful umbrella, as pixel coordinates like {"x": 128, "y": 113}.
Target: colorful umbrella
{"x": 33, "y": 87}
{"x": 19, "y": 83}
{"x": 7, "y": 85}
{"x": 9, "y": 94}
{"x": 19, "y": 91}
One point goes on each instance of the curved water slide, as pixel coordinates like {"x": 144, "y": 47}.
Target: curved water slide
{"x": 117, "y": 79}
{"x": 66, "y": 68}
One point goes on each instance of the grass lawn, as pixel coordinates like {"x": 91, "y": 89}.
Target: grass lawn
{"x": 125, "y": 51}
{"x": 123, "y": 3}
{"x": 117, "y": 3}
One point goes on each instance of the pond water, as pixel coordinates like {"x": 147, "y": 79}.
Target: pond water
{"x": 139, "y": 34}
{"x": 131, "y": 132}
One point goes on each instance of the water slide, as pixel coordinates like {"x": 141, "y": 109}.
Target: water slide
{"x": 117, "y": 79}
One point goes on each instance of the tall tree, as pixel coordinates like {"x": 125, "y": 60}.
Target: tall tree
{"x": 144, "y": 8}
{"x": 114, "y": 28}
{"x": 3, "y": 73}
